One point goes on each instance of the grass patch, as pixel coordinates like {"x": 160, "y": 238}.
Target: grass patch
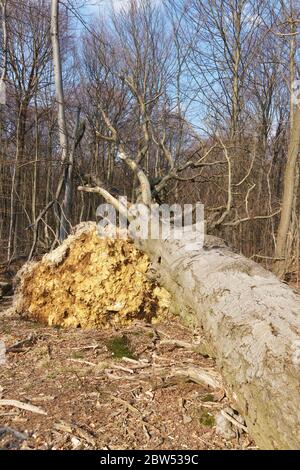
{"x": 137, "y": 333}
{"x": 119, "y": 347}
{"x": 208, "y": 397}
{"x": 77, "y": 355}
{"x": 207, "y": 419}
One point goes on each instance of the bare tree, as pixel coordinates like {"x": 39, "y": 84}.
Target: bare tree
{"x": 3, "y": 5}
{"x": 61, "y": 117}
{"x": 291, "y": 174}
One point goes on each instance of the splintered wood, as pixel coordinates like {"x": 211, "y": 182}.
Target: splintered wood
{"x": 90, "y": 282}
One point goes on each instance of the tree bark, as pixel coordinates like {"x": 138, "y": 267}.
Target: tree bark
{"x": 288, "y": 195}
{"x": 61, "y": 115}
{"x": 290, "y": 181}
{"x": 251, "y": 324}
{"x": 3, "y": 5}
{"x": 65, "y": 222}
{"x": 61, "y": 118}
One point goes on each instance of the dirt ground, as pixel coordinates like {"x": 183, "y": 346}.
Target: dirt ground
{"x": 124, "y": 388}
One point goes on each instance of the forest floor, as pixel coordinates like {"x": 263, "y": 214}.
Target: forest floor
{"x": 106, "y": 389}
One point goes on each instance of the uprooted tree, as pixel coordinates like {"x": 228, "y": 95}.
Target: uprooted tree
{"x": 250, "y": 322}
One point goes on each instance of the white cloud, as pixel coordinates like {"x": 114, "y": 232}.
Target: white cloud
{"x": 104, "y": 5}
{"x": 119, "y": 4}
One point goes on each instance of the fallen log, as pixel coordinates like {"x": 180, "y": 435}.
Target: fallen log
{"x": 251, "y": 322}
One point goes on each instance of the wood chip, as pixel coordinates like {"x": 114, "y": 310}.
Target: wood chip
{"x": 125, "y": 403}
{"x": 64, "y": 427}
{"x": 81, "y": 361}
{"x": 194, "y": 347}
{"x": 124, "y": 369}
{"x": 87, "y": 436}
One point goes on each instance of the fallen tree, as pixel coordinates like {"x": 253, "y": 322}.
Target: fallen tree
{"x": 250, "y": 322}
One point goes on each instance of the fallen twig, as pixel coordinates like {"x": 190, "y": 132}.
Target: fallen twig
{"x": 142, "y": 364}
{"x": 75, "y": 429}
{"x": 124, "y": 369}
{"x": 29, "y": 341}
{"x": 23, "y": 406}
{"x": 206, "y": 377}
{"x": 197, "y": 348}
{"x": 234, "y": 421}
{"x": 81, "y": 361}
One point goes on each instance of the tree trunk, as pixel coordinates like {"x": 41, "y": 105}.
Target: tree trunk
{"x": 61, "y": 116}
{"x": 290, "y": 181}
{"x": 3, "y": 5}
{"x": 288, "y": 195}
{"x": 65, "y": 223}
{"x": 251, "y": 324}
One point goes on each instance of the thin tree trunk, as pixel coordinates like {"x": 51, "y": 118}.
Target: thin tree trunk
{"x": 290, "y": 180}
{"x": 35, "y": 167}
{"x": 61, "y": 117}
{"x": 3, "y": 4}
{"x": 236, "y": 76}
{"x": 15, "y": 184}
{"x": 67, "y": 202}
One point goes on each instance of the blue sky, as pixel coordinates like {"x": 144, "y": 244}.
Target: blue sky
{"x": 94, "y": 8}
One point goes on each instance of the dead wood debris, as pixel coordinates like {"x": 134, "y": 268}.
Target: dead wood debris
{"x": 157, "y": 397}
{"x": 19, "y": 345}
{"x": 132, "y": 385}
{"x": 22, "y": 406}
{"x": 90, "y": 282}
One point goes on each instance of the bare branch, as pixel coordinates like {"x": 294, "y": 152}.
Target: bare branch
{"x": 229, "y": 189}
{"x": 255, "y": 217}
{"x": 108, "y": 197}
{"x": 144, "y": 182}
